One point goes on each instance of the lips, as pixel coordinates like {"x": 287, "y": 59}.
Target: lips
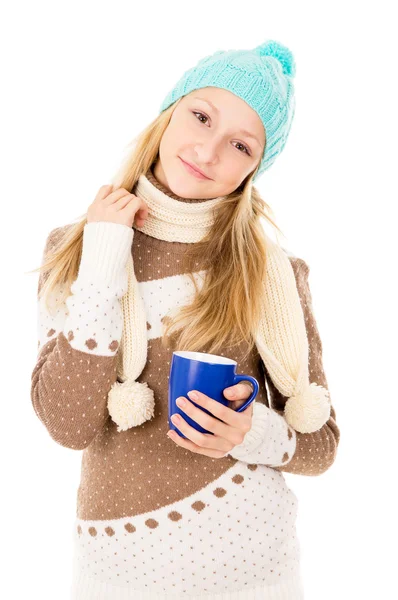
{"x": 194, "y": 170}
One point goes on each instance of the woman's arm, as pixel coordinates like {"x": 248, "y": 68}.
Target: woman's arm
{"x": 271, "y": 441}
{"x": 78, "y": 342}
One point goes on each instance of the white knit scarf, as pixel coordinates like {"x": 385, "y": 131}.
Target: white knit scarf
{"x": 281, "y": 338}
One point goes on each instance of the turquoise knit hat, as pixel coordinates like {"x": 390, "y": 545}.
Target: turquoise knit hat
{"x": 263, "y": 77}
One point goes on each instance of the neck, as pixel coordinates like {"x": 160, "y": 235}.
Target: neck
{"x": 171, "y": 217}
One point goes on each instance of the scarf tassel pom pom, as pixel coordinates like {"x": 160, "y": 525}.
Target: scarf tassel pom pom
{"x": 130, "y": 404}
{"x": 309, "y": 411}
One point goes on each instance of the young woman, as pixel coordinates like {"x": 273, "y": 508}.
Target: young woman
{"x": 171, "y": 256}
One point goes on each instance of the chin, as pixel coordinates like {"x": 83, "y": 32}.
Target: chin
{"x": 181, "y": 186}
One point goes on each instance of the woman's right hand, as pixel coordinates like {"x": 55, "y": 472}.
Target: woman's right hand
{"x": 117, "y": 206}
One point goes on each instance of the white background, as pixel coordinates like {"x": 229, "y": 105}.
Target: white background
{"x": 79, "y": 81}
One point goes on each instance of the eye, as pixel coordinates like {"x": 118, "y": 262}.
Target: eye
{"x": 245, "y": 148}
{"x": 201, "y": 114}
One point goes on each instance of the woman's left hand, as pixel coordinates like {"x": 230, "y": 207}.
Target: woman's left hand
{"x": 228, "y": 433}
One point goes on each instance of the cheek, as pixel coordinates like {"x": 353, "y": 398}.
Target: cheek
{"x": 168, "y": 140}
{"x": 233, "y": 172}
{"x": 175, "y": 134}
{"x": 182, "y": 129}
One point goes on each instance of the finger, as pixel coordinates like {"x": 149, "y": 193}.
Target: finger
{"x": 103, "y": 192}
{"x": 238, "y": 404}
{"x": 142, "y": 213}
{"x": 116, "y": 195}
{"x": 238, "y": 394}
{"x": 192, "y": 434}
{"x": 203, "y": 440}
{"x": 224, "y": 413}
{"x": 210, "y": 423}
{"x": 240, "y": 391}
{"x": 178, "y": 439}
{"x": 189, "y": 445}
{"x": 108, "y": 196}
{"x": 138, "y": 206}
{"x": 123, "y": 201}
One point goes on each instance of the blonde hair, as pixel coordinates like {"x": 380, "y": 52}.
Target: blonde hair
{"x": 225, "y": 312}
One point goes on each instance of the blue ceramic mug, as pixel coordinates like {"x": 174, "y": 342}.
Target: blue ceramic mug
{"x": 207, "y": 373}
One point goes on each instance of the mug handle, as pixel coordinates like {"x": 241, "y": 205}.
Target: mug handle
{"x": 252, "y": 380}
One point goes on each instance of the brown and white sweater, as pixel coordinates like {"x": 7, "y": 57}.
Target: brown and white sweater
{"x": 154, "y": 520}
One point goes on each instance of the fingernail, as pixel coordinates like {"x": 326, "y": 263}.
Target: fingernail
{"x": 193, "y": 395}
{"x": 231, "y": 393}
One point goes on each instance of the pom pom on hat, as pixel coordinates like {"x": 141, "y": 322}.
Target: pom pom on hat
{"x": 308, "y": 411}
{"x": 280, "y": 52}
{"x": 130, "y": 403}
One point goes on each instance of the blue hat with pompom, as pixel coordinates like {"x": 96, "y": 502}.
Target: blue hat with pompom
{"x": 263, "y": 77}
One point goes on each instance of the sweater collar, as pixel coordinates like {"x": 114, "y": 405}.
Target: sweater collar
{"x": 171, "y": 217}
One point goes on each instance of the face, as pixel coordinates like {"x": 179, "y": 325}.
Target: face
{"x": 215, "y": 131}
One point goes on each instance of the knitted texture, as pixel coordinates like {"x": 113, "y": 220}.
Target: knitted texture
{"x": 154, "y": 520}
{"x": 262, "y": 77}
{"x": 280, "y": 338}
{"x": 172, "y": 220}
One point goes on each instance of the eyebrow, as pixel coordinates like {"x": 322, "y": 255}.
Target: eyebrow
{"x": 244, "y": 131}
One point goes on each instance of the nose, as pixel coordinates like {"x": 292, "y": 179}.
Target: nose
{"x": 208, "y": 150}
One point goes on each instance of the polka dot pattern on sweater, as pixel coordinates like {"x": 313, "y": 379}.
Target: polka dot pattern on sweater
{"x": 216, "y": 527}
{"x": 152, "y": 515}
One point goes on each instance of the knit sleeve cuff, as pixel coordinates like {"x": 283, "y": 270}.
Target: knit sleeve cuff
{"x": 270, "y": 441}
{"x": 255, "y": 436}
{"x": 105, "y": 250}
